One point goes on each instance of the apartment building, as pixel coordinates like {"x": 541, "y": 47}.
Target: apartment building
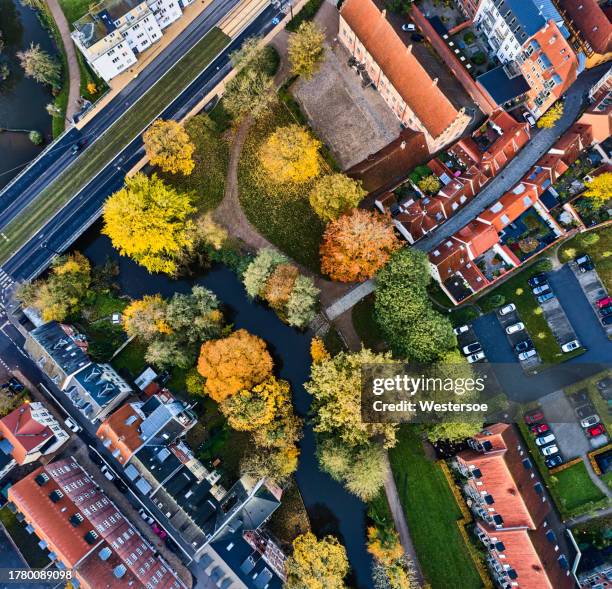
{"x": 85, "y": 532}
{"x": 525, "y": 543}
{"x": 114, "y": 32}
{"x": 415, "y": 85}
{"x": 599, "y": 113}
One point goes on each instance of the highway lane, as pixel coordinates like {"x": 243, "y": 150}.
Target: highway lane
{"x": 81, "y": 212}
{"x": 59, "y": 157}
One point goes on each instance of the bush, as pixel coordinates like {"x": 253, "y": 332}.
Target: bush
{"x": 36, "y": 137}
{"x": 589, "y": 238}
{"x": 493, "y": 302}
{"x": 543, "y": 265}
{"x": 307, "y": 13}
{"x": 479, "y": 58}
{"x": 469, "y": 37}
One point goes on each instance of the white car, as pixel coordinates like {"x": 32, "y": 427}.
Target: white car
{"x": 144, "y": 515}
{"x": 526, "y": 355}
{"x": 541, "y": 289}
{"x": 550, "y": 450}
{"x": 107, "y": 473}
{"x": 507, "y": 309}
{"x": 461, "y": 329}
{"x": 409, "y": 28}
{"x": 529, "y": 118}
{"x": 472, "y": 348}
{"x": 475, "y": 357}
{"x": 545, "y": 439}
{"x": 570, "y": 346}
{"x": 590, "y": 421}
{"x": 72, "y": 425}
{"x": 515, "y": 327}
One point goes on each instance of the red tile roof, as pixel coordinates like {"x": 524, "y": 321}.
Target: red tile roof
{"x": 592, "y": 22}
{"x": 121, "y": 429}
{"x": 478, "y": 236}
{"x": 509, "y": 207}
{"x": 424, "y": 97}
{"x": 23, "y": 432}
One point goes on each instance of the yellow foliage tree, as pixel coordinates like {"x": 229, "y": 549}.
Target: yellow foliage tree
{"x": 279, "y": 286}
{"x": 599, "y": 189}
{"x": 318, "y": 351}
{"x": 335, "y": 194}
{"x": 305, "y": 49}
{"x": 149, "y": 222}
{"x": 92, "y": 88}
{"x": 236, "y": 362}
{"x": 549, "y": 119}
{"x": 384, "y": 545}
{"x": 316, "y": 564}
{"x": 146, "y": 318}
{"x": 291, "y": 154}
{"x": 168, "y": 146}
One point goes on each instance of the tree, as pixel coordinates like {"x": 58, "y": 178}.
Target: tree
{"x": 599, "y": 189}
{"x": 549, "y": 119}
{"x": 146, "y": 318}
{"x": 430, "y": 184}
{"x": 290, "y": 154}
{"x": 62, "y": 293}
{"x": 384, "y": 544}
{"x": 208, "y": 231}
{"x": 318, "y": 351}
{"x": 279, "y": 286}
{"x": 302, "y": 304}
{"x": 168, "y": 353}
{"x": 429, "y": 337}
{"x": 305, "y": 49}
{"x": 259, "y": 270}
{"x": 149, "y": 222}
{"x": 36, "y": 137}
{"x": 276, "y": 464}
{"x": 168, "y": 146}
{"x": 357, "y": 245}
{"x": 250, "y": 92}
{"x": 334, "y": 195}
{"x": 452, "y": 430}
{"x": 250, "y": 55}
{"x": 233, "y": 363}
{"x": 316, "y": 564}
{"x": 335, "y": 385}
{"x": 40, "y": 66}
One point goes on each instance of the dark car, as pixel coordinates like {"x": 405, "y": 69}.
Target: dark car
{"x": 606, "y": 311}
{"x": 78, "y": 146}
{"x": 417, "y": 38}
{"x": 584, "y": 263}
{"x": 537, "y": 280}
{"x": 15, "y": 385}
{"x": 553, "y": 461}
{"x": 95, "y": 458}
{"x": 120, "y": 485}
{"x": 546, "y": 296}
{"x": 586, "y": 410}
{"x": 607, "y": 320}
{"x": 523, "y": 346}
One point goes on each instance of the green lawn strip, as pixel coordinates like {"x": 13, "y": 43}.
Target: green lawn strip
{"x": 365, "y": 325}
{"x": 131, "y": 359}
{"x": 118, "y": 136}
{"x": 432, "y": 514}
{"x": 27, "y": 543}
{"x": 280, "y": 212}
{"x": 600, "y": 252}
{"x": 74, "y": 9}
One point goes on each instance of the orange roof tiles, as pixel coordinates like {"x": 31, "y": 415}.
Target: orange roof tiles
{"x": 400, "y": 65}
{"x": 478, "y": 236}
{"x": 121, "y": 428}
{"x": 509, "y": 207}
{"x": 23, "y": 432}
{"x": 590, "y": 19}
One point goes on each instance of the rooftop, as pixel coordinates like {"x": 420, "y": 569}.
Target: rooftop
{"x": 501, "y": 87}
{"x": 63, "y": 345}
{"x": 592, "y": 22}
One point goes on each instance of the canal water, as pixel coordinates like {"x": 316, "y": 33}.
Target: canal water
{"x": 330, "y": 507}
{"x": 22, "y": 100}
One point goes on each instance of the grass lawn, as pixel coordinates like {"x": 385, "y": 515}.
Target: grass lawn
{"x": 280, "y": 212}
{"x": 432, "y": 513}
{"x": 365, "y": 325}
{"x": 601, "y": 252}
{"x": 74, "y": 9}
{"x": 131, "y": 359}
{"x": 27, "y": 543}
{"x": 96, "y": 157}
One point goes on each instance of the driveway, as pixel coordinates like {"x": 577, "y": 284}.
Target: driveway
{"x": 557, "y": 321}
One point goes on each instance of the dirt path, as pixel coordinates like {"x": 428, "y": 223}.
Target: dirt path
{"x": 74, "y": 73}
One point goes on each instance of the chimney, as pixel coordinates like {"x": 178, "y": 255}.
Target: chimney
{"x": 435, "y": 81}
{"x": 384, "y": 13}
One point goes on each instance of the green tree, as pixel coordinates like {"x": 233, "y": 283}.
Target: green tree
{"x": 452, "y": 430}
{"x": 260, "y": 269}
{"x": 36, "y": 137}
{"x": 305, "y": 49}
{"x": 40, "y": 66}
{"x": 168, "y": 353}
{"x": 335, "y": 194}
{"x": 303, "y": 301}
{"x": 430, "y": 184}
{"x": 250, "y": 92}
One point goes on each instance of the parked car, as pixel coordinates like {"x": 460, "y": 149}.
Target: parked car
{"x": 533, "y": 416}
{"x": 595, "y": 430}
{"x": 526, "y": 355}
{"x": 461, "y": 329}
{"x": 121, "y": 485}
{"x": 539, "y": 428}
{"x": 157, "y": 529}
{"x": 606, "y": 311}
{"x": 529, "y": 118}
{"x": 15, "y": 385}
{"x": 537, "y": 280}
{"x": 604, "y": 302}
{"x": 408, "y": 27}
{"x": 584, "y": 263}
{"x": 545, "y": 297}
{"x": 95, "y": 457}
{"x": 417, "y": 38}
{"x": 476, "y": 357}
{"x": 586, "y": 411}
{"x": 570, "y": 346}
{"x": 107, "y": 473}
{"x": 524, "y": 345}
{"x": 553, "y": 461}
{"x": 542, "y": 289}
{"x": 72, "y": 425}
{"x": 507, "y": 309}
{"x": 471, "y": 348}
{"x": 545, "y": 439}
{"x": 606, "y": 320}
{"x": 550, "y": 450}
{"x": 589, "y": 421}
{"x": 515, "y": 327}
{"x": 144, "y": 515}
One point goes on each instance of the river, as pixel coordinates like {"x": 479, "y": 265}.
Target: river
{"x": 22, "y": 100}
{"x": 330, "y": 507}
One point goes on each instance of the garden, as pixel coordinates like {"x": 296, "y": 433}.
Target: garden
{"x": 26, "y": 543}
{"x": 527, "y": 235}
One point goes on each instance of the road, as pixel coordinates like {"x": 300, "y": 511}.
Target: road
{"x": 77, "y": 215}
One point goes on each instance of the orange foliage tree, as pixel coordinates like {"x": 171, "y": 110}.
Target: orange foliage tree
{"x": 357, "y": 245}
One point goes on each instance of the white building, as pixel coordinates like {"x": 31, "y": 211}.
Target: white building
{"x": 113, "y": 33}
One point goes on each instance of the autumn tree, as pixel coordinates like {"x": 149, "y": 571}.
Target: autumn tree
{"x": 250, "y": 92}
{"x": 206, "y": 230}
{"x": 149, "y": 222}
{"x": 290, "y": 154}
{"x": 599, "y": 189}
{"x": 430, "y": 184}
{"x": 316, "y": 564}
{"x": 384, "y": 544}
{"x": 40, "y": 66}
{"x": 302, "y": 304}
{"x": 259, "y": 270}
{"x": 318, "y": 351}
{"x": 250, "y": 54}
{"x": 63, "y": 292}
{"x": 335, "y": 194}
{"x": 146, "y": 318}
{"x": 549, "y": 119}
{"x": 168, "y": 146}
{"x": 276, "y": 464}
{"x": 233, "y": 363}
{"x": 305, "y": 49}
{"x": 279, "y": 286}
{"x": 357, "y": 245}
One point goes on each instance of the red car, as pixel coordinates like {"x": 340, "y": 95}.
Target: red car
{"x": 595, "y": 430}
{"x": 605, "y": 302}
{"x": 159, "y": 531}
{"x": 533, "y": 417}
{"x": 539, "y": 428}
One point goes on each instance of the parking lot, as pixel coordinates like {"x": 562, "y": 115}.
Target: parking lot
{"x": 593, "y": 290}
{"x": 469, "y": 340}
{"x": 558, "y": 322}
{"x": 518, "y": 337}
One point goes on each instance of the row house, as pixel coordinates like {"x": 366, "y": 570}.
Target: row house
{"x": 599, "y": 113}
{"x": 416, "y": 86}
{"x": 85, "y": 532}
{"x": 525, "y": 544}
